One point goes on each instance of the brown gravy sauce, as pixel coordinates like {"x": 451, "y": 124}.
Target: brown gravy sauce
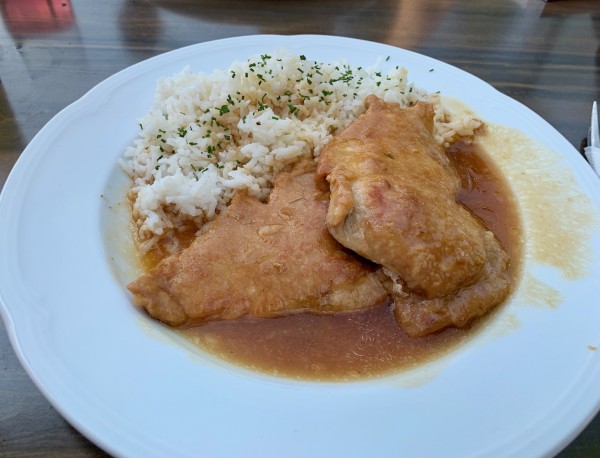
{"x": 369, "y": 343}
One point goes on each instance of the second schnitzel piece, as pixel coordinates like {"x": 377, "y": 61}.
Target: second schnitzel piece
{"x": 264, "y": 260}
{"x": 393, "y": 201}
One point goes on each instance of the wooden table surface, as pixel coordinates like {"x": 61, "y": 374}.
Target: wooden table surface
{"x": 543, "y": 54}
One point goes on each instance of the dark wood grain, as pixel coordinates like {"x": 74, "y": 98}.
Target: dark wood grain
{"x": 544, "y": 54}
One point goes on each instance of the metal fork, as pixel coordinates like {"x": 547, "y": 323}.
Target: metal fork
{"x": 592, "y": 150}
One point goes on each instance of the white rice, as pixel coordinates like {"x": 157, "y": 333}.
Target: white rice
{"x": 210, "y": 135}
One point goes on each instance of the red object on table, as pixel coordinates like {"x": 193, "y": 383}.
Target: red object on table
{"x": 37, "y": 16}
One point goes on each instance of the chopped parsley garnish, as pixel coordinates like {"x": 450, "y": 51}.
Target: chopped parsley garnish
{"x": 293, "y": 109}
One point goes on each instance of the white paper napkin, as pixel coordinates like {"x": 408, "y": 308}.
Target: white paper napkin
{"x": 593, "y": 156}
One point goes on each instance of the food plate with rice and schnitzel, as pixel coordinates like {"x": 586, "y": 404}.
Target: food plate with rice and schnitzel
{"x": 310, "y": 244}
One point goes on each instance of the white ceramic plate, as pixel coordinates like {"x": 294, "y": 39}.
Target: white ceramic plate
{"x": 130, "y": 386}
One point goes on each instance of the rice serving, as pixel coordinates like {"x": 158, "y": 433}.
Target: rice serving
{"x": 211, "y": 135}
